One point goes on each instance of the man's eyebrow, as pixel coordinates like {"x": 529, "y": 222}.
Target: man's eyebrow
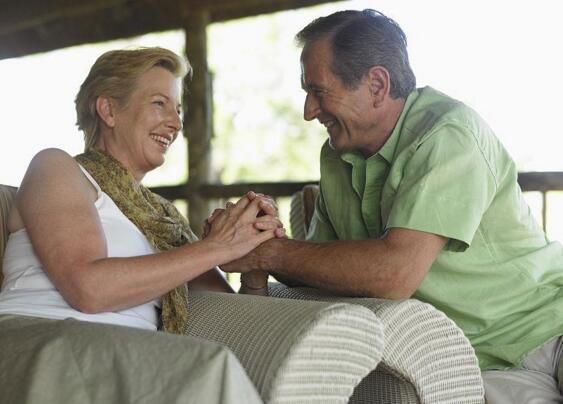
{"x": 310, "y": 87}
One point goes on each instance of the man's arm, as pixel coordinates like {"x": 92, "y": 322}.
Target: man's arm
{"x": 390, "y": 267}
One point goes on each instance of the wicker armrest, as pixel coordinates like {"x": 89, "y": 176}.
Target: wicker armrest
{"x": 7, "y": 196}
{"x": 294, "y": 352}
{"x": 423, "y": 348}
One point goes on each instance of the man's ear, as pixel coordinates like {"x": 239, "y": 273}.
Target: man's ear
{"x": 379, "y": 82}
{"x": 105, "y": 110}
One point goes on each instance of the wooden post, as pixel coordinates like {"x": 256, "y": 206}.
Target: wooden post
{"x": 198, "y": 119}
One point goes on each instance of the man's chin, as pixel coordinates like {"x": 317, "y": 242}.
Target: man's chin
{"x": 337, "y": 147}
{"x": 333, "y": 144}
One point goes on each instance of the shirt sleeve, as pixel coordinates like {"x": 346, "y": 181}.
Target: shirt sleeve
{"x": 320, "y": 228}
{"x": 446, "y": 187}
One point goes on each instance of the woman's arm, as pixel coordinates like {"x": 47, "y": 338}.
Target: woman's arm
{"x": 211, "y": 280}
{"x": 255, "y": 282}
{"x": 56, "y": 204}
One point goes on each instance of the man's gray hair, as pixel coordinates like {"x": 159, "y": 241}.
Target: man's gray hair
{"x": 360, "y": 40}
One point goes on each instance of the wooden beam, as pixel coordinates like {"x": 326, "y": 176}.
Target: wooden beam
{"x": 19, "y": 16}
{"x": 224, "y": 10}
{"x": 226, "y": 191}
{"x": 529, "y": 181}
{"x": 33, "y": 26}
{"x": 22, "y": 15}
{"x": 198, "y": 102}
{"x": 125, "y": 19}
{"x": 541, "y": 181}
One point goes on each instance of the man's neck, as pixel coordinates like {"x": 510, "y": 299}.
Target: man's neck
{"x": 388, "y": 118}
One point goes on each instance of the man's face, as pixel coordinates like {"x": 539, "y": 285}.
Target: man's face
{"x": 347, "y": 114}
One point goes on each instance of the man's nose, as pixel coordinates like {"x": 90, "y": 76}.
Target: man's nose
{"x": 311, "y": 108}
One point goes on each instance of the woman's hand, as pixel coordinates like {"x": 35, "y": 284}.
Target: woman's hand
{"x": 267, "y": 207}
{"x": 239, "y": 227}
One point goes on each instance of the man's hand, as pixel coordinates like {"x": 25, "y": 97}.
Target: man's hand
{"x": 254, "y": 283}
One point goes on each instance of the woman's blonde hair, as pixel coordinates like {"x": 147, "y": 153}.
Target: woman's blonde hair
{"x": 115, "y": 74}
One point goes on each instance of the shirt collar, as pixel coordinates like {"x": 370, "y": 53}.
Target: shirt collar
{"x": 390, "y": 146}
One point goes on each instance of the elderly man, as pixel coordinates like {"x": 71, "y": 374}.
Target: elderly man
{"x": 419, "y": 198}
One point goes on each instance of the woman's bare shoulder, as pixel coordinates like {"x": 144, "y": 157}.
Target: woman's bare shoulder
{"x": 53, "y": 165}
{"x": 50, "y": 159}
{"x": 51, "y": 174}
{"x": 55, "y": 173}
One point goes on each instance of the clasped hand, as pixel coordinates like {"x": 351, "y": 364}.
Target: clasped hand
{"x": 244, "y": 225}
{"x": 255, "y": 219}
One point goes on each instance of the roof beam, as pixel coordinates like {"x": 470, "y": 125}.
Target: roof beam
{"x": 34, "y": 26}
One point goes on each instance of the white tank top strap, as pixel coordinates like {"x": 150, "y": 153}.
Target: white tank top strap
{"x": 92, "y": 180}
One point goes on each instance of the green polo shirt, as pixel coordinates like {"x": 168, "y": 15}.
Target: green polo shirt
{"x": 443, "y": 171}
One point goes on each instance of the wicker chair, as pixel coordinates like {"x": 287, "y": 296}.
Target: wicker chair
{"x": 426, "y": 359}
{"x": 293, "y": 351}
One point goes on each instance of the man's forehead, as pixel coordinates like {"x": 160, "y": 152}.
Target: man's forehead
{"x": 315, "y": 73}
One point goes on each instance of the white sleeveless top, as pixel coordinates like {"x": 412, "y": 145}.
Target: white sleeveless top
{"x": 27, "y": 290}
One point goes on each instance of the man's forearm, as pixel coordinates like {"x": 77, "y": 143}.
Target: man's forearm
{"x": 389, "y": 267}
{"x": 287, "y": 280}
{"x": 335, "y": 266}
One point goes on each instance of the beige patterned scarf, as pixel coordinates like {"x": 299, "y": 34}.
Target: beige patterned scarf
{"x": 158, "y": 219}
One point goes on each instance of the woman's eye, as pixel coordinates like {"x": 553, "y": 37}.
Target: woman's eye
{"x": 159, "y": 103}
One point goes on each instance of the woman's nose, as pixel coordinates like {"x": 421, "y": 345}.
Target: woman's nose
{"x": 176, "y": 120}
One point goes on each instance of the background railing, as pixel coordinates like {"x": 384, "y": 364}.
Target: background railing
{"x": 542, "y": 182}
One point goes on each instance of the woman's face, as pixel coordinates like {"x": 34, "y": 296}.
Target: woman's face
{"x": 148, "y": 123}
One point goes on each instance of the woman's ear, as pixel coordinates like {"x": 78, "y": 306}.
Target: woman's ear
{"x": 105, "y": 110}
{"x": 380, "y": 84}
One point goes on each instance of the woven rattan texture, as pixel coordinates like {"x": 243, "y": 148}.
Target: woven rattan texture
{"x": 294, "y": 351}
{"x": 423, "y": 347}
{"x": 7, "y": 195}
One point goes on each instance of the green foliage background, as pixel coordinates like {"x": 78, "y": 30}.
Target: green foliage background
{"x": 260, "y": 134}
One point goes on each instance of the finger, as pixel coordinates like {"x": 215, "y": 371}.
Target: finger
{"x": 266, "y": 226}
{"x": 216, "y": 218}
{"x": 231, "y": 209}
{"x": 279, "y": 232}
{"x": 268, "y": 198}
{"x": 269, "y": 207}
{"x": 265, "y": 236}
{"x": 206, "y": 228}
{"x": 270, "y": 221}
{"x": 251, "y": 211}
{"x": 246, "y": 210}
{"x": 267, "y": 218}
{"x": 241, "y": 204}
{"x": 214, "y": 215}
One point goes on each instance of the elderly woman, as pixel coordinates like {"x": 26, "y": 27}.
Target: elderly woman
{"x": 89, "y": 242}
